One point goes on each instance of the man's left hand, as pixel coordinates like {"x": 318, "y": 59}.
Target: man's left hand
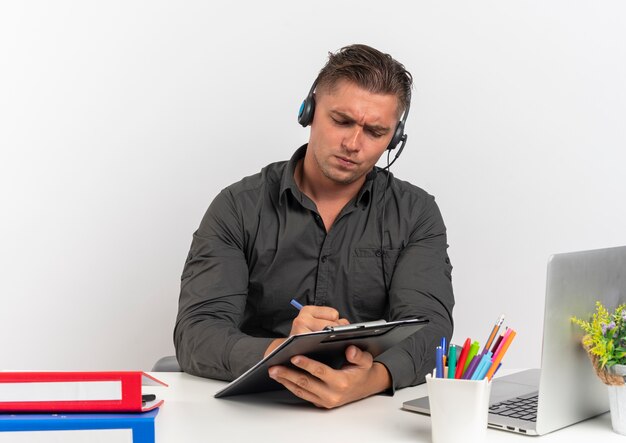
{"x": 326, "y": 387}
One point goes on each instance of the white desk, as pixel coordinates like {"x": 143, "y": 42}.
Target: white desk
{"x": 191, "y": 414}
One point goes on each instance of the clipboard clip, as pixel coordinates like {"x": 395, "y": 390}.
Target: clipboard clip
{"x": 355, "y": 326}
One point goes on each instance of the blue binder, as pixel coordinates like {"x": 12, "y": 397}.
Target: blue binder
{"x": 141, "y": 424}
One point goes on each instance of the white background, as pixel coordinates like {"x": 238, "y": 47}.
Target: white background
{"x": 121, "y": 120}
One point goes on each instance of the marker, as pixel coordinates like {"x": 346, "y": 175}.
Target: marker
{"x": 467, "y": 375}
{"x": 478, "y": 368}
{"x": 444, "y": 351}
{"x": 508, "y": 332}
{"x": 494, "y": 331}
{"x": 295, "y": 304}
{"x": 439, "y": 361}
{"x": 497, "y": 343}
{"x": 472, "y": 352}
{"x": 460, "y": 364}
{"x": 498, "y": 358}
{"x": 483, "y": 367}
{"x": 452, "y": 361}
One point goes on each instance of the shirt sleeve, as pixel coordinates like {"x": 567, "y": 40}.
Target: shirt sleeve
{"x": 214, "y": 287}
{"x": 421, "y": 286}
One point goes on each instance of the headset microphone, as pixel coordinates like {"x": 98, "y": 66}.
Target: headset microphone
{"x": 404, "y": 137}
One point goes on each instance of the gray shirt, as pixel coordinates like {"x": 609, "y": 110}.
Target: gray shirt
{"x": 262, "y": 243}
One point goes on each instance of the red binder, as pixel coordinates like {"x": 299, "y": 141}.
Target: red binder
{"x": 119, "y": 391}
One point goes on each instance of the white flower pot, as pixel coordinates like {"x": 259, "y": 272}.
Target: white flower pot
{"x": 617, "y": 402}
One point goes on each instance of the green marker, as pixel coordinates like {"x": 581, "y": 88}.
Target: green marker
{"x": 451, "y": 361}
{"x": 472, "y": 352}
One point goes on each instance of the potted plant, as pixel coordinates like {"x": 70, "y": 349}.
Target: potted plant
{"x": 605, "y": 343}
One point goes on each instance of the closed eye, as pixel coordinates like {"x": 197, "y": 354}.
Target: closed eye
{"x": 374, "y": 133}
{"x": 340, "y": 122}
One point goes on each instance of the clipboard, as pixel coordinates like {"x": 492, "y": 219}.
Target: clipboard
{"x": 327, "y": 346}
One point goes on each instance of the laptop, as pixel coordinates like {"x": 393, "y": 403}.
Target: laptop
{"x": 566, "y": 389}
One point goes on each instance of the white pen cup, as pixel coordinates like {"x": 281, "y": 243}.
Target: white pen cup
{"x": 458, "y": 409}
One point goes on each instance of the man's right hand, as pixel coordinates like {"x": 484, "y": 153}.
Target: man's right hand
{"x": 310, "y": 319}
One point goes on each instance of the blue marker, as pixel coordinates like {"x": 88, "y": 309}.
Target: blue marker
{"x": 479, "y": 369}
{"x": 439, "y": 362}
{"x": 444, "y": 346}
{"x": 295, "y": 304}
{"x": 483, "y": 367}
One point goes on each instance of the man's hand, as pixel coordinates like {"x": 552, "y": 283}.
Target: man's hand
{"x": 310, "y": 319}
{"x": 329, "y": 388}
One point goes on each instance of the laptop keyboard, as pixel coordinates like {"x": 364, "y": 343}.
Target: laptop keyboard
{"x": 524, "y": 407}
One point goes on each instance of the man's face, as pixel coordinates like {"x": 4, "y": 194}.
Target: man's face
{"x": 350, "y": 131}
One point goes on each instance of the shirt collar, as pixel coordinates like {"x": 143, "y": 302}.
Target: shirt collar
{"x": 288, "y": 182}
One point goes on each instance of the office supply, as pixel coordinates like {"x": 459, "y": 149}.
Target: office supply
{"x": 497, "y": 343}
{"x": 493, "y": 333}
{"x": 296, "y": 304}
{"x": 459, "y": 409}
{"x": 460, "y": 364}
{"x": 112, "y": 428}
{"x": 451, "y": 361}
{"x": 565, "y": 390}
{"x": 483, "y": 367}
{"x": 444, "y": 352}
{"x": 506, "y": 336}
{"x": 467, "y": 375}
{"x": 75, "y": 391}
{"x": 498, "y": 358}
{"x": 326, "y": 346}
{"x": 352, "y": 326}
{"x": 439, "y": 362}
{"x": 470, "y": 355}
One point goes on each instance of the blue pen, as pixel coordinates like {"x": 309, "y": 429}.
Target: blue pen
{"x": 295, "y": 304}
{"x": 444, "y": 346}
{"x": 439, "y": 361}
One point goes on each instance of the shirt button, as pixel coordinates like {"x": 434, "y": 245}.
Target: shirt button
{"x": 324, "y": 258}
{"x": 378, "y": 253}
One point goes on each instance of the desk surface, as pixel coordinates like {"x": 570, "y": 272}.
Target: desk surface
{"x": 191, "y": 414}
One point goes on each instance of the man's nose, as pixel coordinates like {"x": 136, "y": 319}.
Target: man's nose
{"x": 352, "y": 140}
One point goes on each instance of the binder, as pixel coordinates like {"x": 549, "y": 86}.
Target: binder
{"x": 119, "y": 391}
{"x": 74, "y": 428}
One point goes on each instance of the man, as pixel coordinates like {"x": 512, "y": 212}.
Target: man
{"x": 329, "y": 229}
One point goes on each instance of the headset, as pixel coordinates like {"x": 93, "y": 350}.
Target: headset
{"x": 307, "y": 110}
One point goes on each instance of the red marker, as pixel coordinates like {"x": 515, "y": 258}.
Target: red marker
{"x": 461, "y": 363}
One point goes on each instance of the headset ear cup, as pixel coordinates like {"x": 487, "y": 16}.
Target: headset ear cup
{"x": 307, "y": 109}
{"x": 397, "y": 136}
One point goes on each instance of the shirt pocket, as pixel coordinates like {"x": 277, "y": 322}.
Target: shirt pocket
{"x": 368, "y": 290}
